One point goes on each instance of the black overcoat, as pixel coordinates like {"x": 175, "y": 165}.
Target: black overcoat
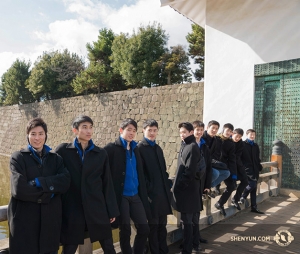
{"x": 187, "y": 187}
{"x": 209, "y": 141}
{"x": 251, "y": 160}
{"x": 90, "y": 202}
{"x": 225, "y": 151}
{"x": 156, "y": 176}
{"x": 206, "y": 180}
{"x": 117, "y": 161}
{"x": 34, "y": 217}
{"x": 239, "y": 147}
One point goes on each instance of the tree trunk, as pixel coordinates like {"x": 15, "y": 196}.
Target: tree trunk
{"x": 169, "y": 78}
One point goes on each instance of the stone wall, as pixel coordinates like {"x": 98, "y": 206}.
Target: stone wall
{"x": 169, "y": 105}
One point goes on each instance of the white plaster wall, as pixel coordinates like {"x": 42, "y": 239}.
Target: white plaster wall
{"x": 240, "y": 34}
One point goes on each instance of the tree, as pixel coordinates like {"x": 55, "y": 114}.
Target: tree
{"x": 52, "y": 75}
{"x": 99, "y": 76}
{"x": 133, "y": 56}
{"x": 175, "y": 65}
{"x": 13, "y": 89}
{"x": 196, "y": 41}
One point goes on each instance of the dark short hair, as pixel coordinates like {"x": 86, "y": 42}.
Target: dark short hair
{"x": 35, "y": 122}
{"x": 150, "y": 123}
{"x": 238, "y": 131}
{"x": 186, "y": 125}
{"x": 228, "y": 125}
{"x": 250, "y": 130}
{"x": 126, "y": 122}
{"x": 81, "y": 119}
{"x": 198, "y": 123}
{"x": 213, "y": 122}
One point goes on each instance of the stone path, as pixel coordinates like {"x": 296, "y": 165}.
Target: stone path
{"x": 248, "y": 232}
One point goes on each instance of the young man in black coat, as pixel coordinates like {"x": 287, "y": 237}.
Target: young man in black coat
{"x": 90, "y": 203}
{"x": 225, "y": 153}
{"x": 158, "y": 187}
{"x": 186, "y": 188}
{"x": 205, "y": 181}
{"x": 38, "y": 178}
{"x": 251, "y": 161}
{"x": 241, "y": 173}
{"x": 130, "y": 187}
{"x": 218, "y": 176}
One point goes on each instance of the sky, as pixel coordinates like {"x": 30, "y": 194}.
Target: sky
{"x": 28, "y": 28}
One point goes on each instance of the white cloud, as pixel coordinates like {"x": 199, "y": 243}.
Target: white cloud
{"x": 7, "y": 59}
{"x": 71, "y": 34}
{"x": 130, "y": 17}
{"x": 92, "y": 15}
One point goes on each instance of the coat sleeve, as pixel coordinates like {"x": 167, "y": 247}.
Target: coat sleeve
{"x": 20, "y": 189}
{"x": 109, "y": 148}
{"x": 232, "y": 159}
{"x": 189, "y": 162}
{"x": 58, "y": 183}
{"x": 260, "y": 168}
{"x": 109, "y": 191}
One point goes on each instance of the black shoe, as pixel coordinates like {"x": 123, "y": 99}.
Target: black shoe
{"x": 236, "y": 204}
{"x": 211, "y": 194}
{"x": 221, "y": 208}
{"x": 255, "y": 210}
{"x": 242, "y": 200}
{"x": 202, "y": 240}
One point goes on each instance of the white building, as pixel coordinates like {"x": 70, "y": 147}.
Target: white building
{"x": 239, "y": 35}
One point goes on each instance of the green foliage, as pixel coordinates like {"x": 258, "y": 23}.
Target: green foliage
{"x": 96, "y": 79}
{"x": 196, "y": 48}
{"x": 133, "y": 56}
{"x": 174, "y": 66}
{"x": 53, "y": 73}
{"x": 13, "y": 89}
{"x": 100, "y": 50}
{"x": 99, "y": 75}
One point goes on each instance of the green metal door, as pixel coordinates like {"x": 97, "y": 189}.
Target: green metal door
{"x": 276, "y": 115}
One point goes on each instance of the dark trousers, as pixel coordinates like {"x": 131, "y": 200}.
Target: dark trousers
{"x": 230, "y": 187}
{"x": 251, "y": 188}
{"x": 240, "y": 188}
{"x": 158, "y": 235}
{"x": 107, "y": 247}
{"x": 187, "y": 219}
{"x": 196, "y": 230}
{"x": 132, "y": 208}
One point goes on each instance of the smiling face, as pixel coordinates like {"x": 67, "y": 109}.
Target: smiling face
{"x": 236, "y": 137}
{"x": 251, "y": 136}
{"x": 128, "y": 133}
{"x": 198, "y": 132}
{"x": 150, "y": 132}
{"x": 37, "y": 138}
{"x": 227, "y": 132}
{"x": 84, "y": 132}
{"x": 212, "y": 130}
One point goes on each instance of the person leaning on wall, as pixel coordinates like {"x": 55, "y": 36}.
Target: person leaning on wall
{"x": 38, "y": 178}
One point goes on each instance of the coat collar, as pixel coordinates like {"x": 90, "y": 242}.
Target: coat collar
{"x": 190, "y": 139}
{"x": 145, "y": 142}
{"x": 71, "y": 146}
{"x": 118, "y": 142}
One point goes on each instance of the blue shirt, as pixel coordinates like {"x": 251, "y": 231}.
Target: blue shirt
{"x": 131, "y": 177}
{"x": 79, "y": 148}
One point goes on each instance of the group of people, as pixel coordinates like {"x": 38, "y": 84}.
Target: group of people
{"x": 81, "y": 190}
{"x": 207, "y": 158}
